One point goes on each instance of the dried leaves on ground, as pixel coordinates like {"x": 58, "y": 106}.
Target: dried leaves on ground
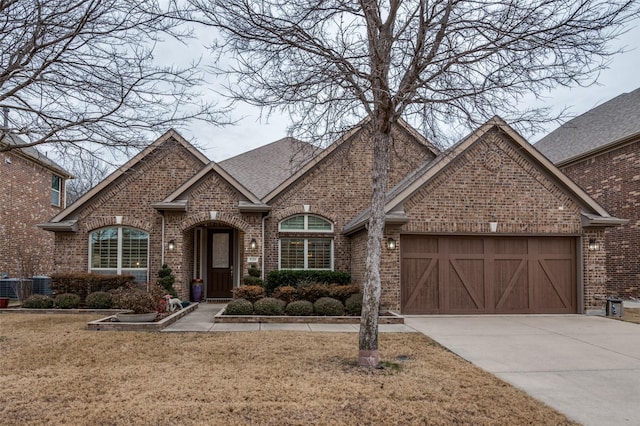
{"x": 57, "y": 372}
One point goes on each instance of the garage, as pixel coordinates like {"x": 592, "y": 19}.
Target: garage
{"x": 488, "y": 274}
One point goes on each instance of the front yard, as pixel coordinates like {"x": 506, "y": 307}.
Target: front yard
{"x": 57, "y": 372}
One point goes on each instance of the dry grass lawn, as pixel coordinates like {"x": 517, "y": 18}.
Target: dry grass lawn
{"x": 56, "y": 372}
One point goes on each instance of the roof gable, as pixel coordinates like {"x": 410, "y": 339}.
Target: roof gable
{"x": 89, "y": 195}
{"x": 615, "y": 121}
{"x": 430, "y": 170}
{"x": 334, "y": 147}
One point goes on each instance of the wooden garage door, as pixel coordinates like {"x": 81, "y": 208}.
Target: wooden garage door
{"x": 487, "y": 275}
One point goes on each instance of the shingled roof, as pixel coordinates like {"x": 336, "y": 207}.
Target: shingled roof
{"x": 263, "y": 169}
{"x": 613, "y": 122}
{"x": 35, "y": 155}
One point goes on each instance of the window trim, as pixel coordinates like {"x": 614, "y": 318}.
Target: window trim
{"x": 305, "y": 234}
{"x": 57, "y": 190}
{"x": 305, "y": 228}
{"x": 119, "y": 251}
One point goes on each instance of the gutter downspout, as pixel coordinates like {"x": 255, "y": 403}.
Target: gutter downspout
{"x": 162, "y": 242}
{"x": 262, "y": 244}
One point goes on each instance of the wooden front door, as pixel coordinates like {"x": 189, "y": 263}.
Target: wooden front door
{"x": 219, "y": 263}
{"x": 488, "y": 275}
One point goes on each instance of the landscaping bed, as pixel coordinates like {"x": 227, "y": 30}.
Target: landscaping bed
{"x": 111, "y": 323}
{"x": 385, "y": 318}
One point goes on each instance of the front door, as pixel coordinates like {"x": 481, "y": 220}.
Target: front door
{"x": 220, "y": 263}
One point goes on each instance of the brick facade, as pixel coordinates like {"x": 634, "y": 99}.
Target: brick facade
{"x": 25, "y": 202}
{"x": 491, "y": 181}
{"x": 613, "y": 179}
{"x": 339, "y": 188}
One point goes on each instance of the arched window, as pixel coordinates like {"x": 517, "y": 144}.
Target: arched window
{"x": 306, "y": 242}
{"x": 119, "y": 250}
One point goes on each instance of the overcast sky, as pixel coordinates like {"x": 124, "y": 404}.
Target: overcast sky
{"x": 219, "y": 143}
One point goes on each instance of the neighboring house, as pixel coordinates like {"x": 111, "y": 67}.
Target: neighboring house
{"x": 600, "y": 151}
{"x": 211, "y": 221}
{"x": 32, "y": 190}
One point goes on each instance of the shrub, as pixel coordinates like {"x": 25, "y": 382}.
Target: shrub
{"x": 313, "y": 292}
{"x": 137, "y": 300}
{"x": 249, "y": 280}
{"x": 286, "y": 293}
{"x": 343, "y": 292}
{"x": 167, "y": 279}
{"x": 67, "y": 301}
{"x": 299, "y": 308}
{"x": 249, "y": 292}
{"x": 269, "y": 306}
{"x": 254, "y": 271}
{"x": 328, "y": 306}
{"x": 292, "y": 278}
{"x": 353, "y": 304}
{"x": 38, "y": 301}
{"x": 239, "y": 307}
{"x": 82, "y": 283}
{"x": 99, "y": 300}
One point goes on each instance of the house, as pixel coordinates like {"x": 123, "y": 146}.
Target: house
{"x": 600, "y": 151}
{"x": 488, "y": 226}
{"x": 32, "y": 190}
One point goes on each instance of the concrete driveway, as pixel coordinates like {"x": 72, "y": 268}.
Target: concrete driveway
{"x": 586, "y": 367}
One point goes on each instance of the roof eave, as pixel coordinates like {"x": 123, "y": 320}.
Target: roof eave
{"x": 393, "y": 218}
{"x": 64, "y": 226}
{"x": 590, "y": 221}
{"x": 599, "y": 150}
{"x": 175, "y": 206}
{"x": 253, "y": 208}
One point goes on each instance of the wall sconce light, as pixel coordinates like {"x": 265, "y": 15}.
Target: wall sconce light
{"x": 172, "y": 245}
{"x": 253, "y": 244}
{"x": 391, "y": 243}
{"x": 593, "y": 244}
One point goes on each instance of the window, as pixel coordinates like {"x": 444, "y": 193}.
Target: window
{"x": 119, "y": 250}
{"x": 305, "y": 248}
{"x": 56, "y": 184}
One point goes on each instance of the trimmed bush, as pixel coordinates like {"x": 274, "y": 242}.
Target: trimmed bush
{"x": 239, "y": 307}
{"x": 313, "y": 292}
{"x": 299, "y": 308}
{"x": 286, "y": 293}
{"x": 249, "y": 280}
{"x": 38, "y": 301}
{"x": 99, "y": 300}
{"x": 254, "y": 271}
{"x": 328, "y": 307}
{"x": 269, "y": 306}
{"x": 343, "y": 292}
{"x": 82, "y": 284}
{"x": 249, "y": 292}
{"x": 67, "y": 301}
{"x": 166, "y": 280}
{"x": 293, "y": 278}
{"x": 353, "y": 304}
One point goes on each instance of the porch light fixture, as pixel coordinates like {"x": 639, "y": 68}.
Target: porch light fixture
{"x": 593, "y": 244}
{"x": 172, "y": 245}
{"x": 391, "y": 243}
{"x": 253, "y": 244}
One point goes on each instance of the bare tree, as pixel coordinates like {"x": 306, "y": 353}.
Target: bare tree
{"x": 438, "y": 64}
{"x": 81, "y": 72}
{"x": 88, "y": 171}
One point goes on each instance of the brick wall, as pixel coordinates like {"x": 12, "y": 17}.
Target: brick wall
{"x": 339, "y": 188}
{"x": 473, "y": 191}
{"x": 613, "y": 180}
{"x": 25, "y": 202}
{"x": 131, "y": 196}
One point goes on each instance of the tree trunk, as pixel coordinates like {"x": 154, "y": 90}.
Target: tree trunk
{"x": 368, "y": 338}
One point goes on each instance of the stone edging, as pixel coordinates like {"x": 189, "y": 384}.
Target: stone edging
{"x": 391, "y": 318}
{"x": 60, "y": 311}
{"x": 105, "y": 324}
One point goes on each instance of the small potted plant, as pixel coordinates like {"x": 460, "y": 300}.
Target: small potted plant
{"x": 142, "y": 306}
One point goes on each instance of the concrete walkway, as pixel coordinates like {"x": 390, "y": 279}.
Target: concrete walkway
{"x": 585, "y": 367}
{"x": 202, "y": 320}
